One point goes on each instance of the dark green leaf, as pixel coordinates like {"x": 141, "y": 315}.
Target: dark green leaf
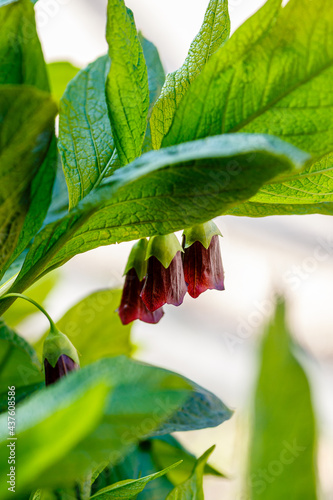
{"x": 283, "y": 443}
{"x": 60, "y": 74}
{"x": 21, "y": 57}
{"x": 137, "y": 463}
{"x": 129, "y": 488}
{"x": 192, "y": 488}
{"x": 94, "y": 327}
{"x": 39, "y": 198}
{"x": 26, "y": 130}
{"x": 166, "y": 449}
{"x": 161, "y": 192}
{"x": 127, "y": 91}
{"x": 214, "y": 32}
{"x": 277, "y": 83}
{"x": 140, "y": 398}
{"x": 85, "y": 139}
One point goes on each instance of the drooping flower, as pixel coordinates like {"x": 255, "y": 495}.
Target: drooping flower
{"x": 63, "y": 366}
{"x": 132, "y": 306}
{"x": 164, "y": 282}
{"x": 59, "y": 355}
{"x": 203, "y": 269}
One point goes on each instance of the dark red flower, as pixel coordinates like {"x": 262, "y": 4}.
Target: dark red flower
{"x": 64, "y": 365}
{"x": 132, "y": 306}
{"x": 203, "y": 269}
{"x": 164, "y": 285}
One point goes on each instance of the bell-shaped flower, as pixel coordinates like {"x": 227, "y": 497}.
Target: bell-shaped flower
{"x": 59, "y": 355}
{"x": 164, "y": 282}
{"x": 203, "y": 269}
{"x": 132, "y": 306}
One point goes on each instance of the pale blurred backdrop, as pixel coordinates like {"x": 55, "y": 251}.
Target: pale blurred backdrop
{"x": 213, "y": 339}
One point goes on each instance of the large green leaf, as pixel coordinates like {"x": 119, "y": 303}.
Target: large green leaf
{"x": 192, "y": 488}
{"x": 60, "y": 74}
{"x": 86, "y": 144}
{"x": 160, "y": 192}
{"x": 26, "y": 129}
{"x": 21, "y": 57}
{"x": 48, "y": 427}
{"x": 282, "y": 456}
{"x": 127, "y": 90}
{"x": 214, "y": 32}
{"x": 142, "y": 398}
{"x": 129, "y": 488}
{"x": 21, "y": 61}
{"x": 19, "y": 365}
{"x": 94, "y": 327}
{"x": 277, "y": 83}
{"x": 85, "y": 137}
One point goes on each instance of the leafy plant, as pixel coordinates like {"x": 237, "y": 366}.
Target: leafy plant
{"x": 244, "y": 127}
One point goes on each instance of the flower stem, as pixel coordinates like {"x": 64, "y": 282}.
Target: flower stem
{"x": 20, "y": 296}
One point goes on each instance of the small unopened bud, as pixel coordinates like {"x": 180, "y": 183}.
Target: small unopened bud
{"x": 59, "y": 356}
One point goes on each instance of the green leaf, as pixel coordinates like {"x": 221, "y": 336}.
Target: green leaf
{"x": 49, "y": 425}
{"x": 22, "y": 309}
{"x": 59, "y": 205}
{"x": 139, "y": 400}
{"x": 278, "y": 83}
{"x": 161, "y": 192}
{"x": 94, "y": 327}
{"x": 21, "y": 57}
{"x": 156, "y": 77}
{"x": 283, "y": 442}
{"x": 40, "y": 198}
{"x": 130, "y": 487}
{"x": 192, "y": 488}
{"x": 19, "y": 365}
{"x": 60, "y": 74}
{"x": 252, "y": 209}
{"x": 137, "y": 463}
{"x": 86, "y": 144}
{"x": 127, "y": 91}
{"x": 26, "y": 130}
{"x": 166, "y": 449}
{"x": 214, "y": 32}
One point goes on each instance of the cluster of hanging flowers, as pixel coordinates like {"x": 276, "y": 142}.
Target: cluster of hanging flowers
{"x": 161, "y": 271}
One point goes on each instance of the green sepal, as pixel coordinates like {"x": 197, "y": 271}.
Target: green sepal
{"x": 164, "y": 248}
{"x": 137, "y": 259}
{"x": 56, "y": 344}
{"x": 202, "y": 233}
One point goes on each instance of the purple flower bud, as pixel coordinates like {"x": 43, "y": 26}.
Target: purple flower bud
{"x": 164, "y": 285}
{"x": 132, "y": 306}
{"x": 64, "y": 365}
{"x": 203, "y": 268}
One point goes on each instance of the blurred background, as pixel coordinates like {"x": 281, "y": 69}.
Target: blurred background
{"x": 213, "y": 339}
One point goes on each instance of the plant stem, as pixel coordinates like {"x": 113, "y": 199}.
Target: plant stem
{"x": 20, "y": 296}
